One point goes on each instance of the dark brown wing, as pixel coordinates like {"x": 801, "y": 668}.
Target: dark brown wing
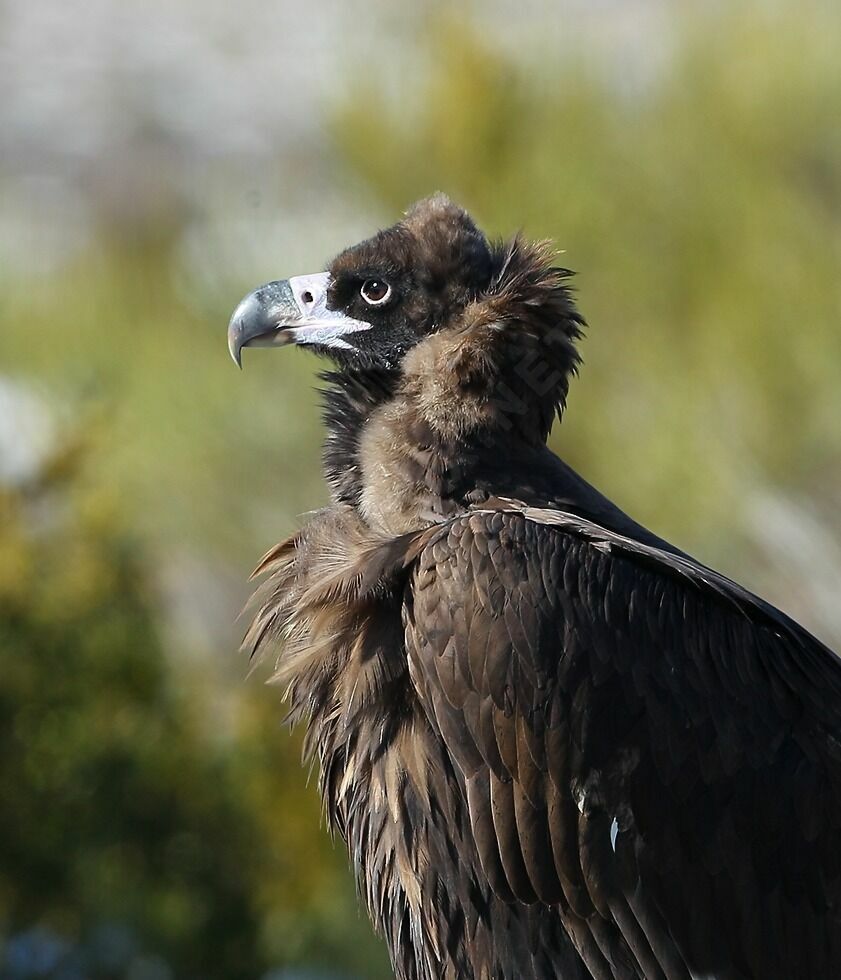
{"x": 645, "y": 745}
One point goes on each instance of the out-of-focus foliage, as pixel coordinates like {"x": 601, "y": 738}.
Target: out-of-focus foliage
{"x": 144, "y": 830}
{"x": 181, "y": 420}
{"x": 152, "y": 810}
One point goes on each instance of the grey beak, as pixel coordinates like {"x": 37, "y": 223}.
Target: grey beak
{"x": 260, "y": 319}
{"x": 290, "y": 311}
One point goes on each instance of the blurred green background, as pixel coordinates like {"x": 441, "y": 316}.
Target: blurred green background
{"x": 160, "y": 160}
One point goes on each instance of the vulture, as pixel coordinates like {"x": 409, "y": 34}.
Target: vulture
{"x": 555, "y": 745}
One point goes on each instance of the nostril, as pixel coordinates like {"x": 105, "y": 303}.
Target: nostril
{"x": 306, "y": 297}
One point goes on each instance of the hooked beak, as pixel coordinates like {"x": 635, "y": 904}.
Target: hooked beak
{"x": 290, "y": 311}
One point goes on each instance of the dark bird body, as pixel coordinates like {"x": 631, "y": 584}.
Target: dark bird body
{"x": 556, "y": 746}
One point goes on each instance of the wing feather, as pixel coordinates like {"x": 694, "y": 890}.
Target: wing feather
{"x": 645, "y": 745}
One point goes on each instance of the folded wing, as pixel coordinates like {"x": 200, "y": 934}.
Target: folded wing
{"x": 645, "y": 746}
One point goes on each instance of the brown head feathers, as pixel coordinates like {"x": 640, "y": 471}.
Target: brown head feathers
{"x": 474, "y": 347}
{"x": 502, "y": 312}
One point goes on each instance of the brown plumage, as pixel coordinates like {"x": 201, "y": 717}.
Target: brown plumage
{"x": 556, "y": 746}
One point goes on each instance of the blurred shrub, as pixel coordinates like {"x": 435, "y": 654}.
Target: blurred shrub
{"x": 140, "y": 836}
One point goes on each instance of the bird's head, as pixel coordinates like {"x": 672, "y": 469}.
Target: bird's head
{"x": 496, "y": 309}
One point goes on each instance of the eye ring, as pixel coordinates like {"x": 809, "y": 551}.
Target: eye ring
{"x": 375, "y": 292}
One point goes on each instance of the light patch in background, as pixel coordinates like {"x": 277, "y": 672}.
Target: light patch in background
{"x": 27, "y": 432}
{"x": 267, "y": 232}
{"x": 44, "y": 221}
{"x": 153, "y": 107}
{"x": 802, "y": 558}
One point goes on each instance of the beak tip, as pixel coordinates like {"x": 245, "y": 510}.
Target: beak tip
{"x": 235, "y": 351}
{"x": 235, "y": 339}
{"x": 252, "y": 318}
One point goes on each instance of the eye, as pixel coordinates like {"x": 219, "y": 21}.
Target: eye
{"x": 375, "y": 291}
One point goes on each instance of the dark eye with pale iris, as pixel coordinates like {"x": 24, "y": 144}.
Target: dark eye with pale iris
{"x": 375, "y": 292}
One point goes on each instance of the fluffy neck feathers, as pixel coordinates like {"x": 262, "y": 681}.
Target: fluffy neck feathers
{"x": 489, "y": 382}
